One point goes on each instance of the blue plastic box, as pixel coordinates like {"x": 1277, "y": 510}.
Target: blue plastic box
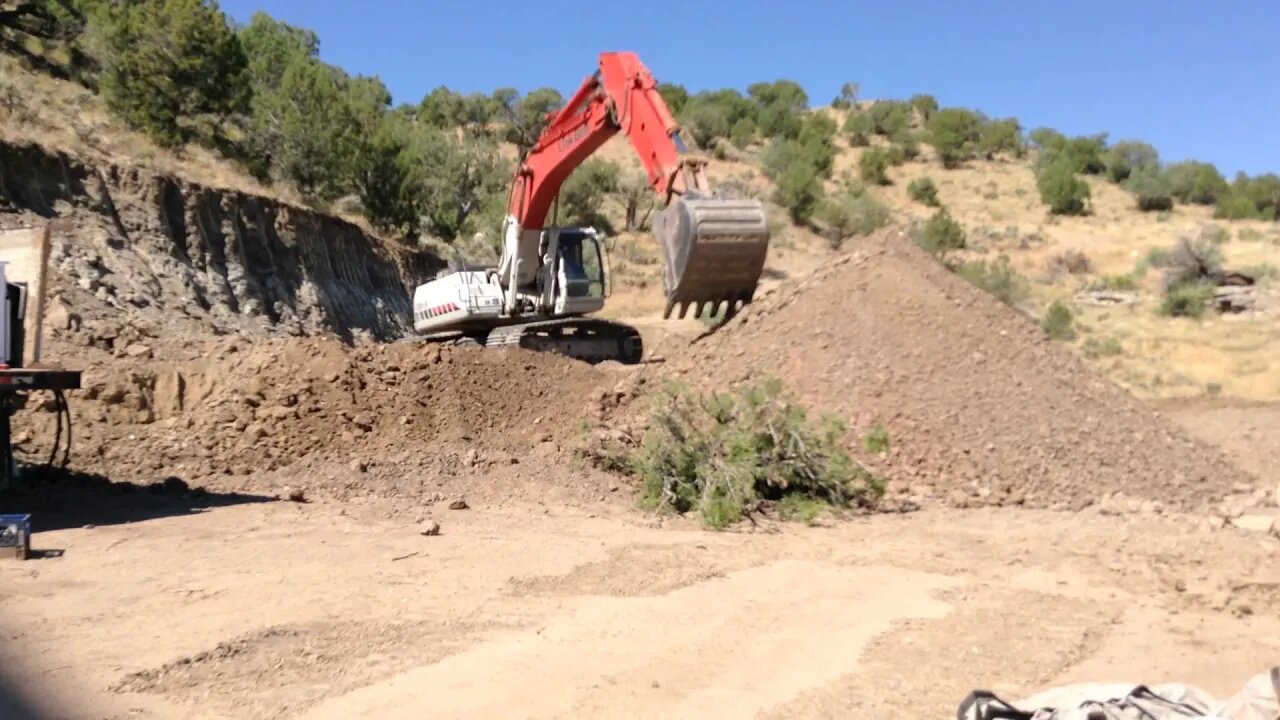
{"x": 15, "y": 536}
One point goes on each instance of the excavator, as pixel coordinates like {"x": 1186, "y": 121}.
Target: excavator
{"x": 550, "y": 279}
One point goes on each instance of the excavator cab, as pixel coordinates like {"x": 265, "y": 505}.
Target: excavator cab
{"x": 579, "y": 270}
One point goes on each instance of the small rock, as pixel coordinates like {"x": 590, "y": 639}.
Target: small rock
{"x": 459, "y": 504}
{"x": 1255, "y": 523}
{"x": 255, "y": 432}
{"x": 430, "y": 527}
{"x": 175, "y": 485}
{"x": 294, "y": 494}
{"x": 138, "y": 350}
{"x": 357, "y": 465}
{"x": 363, "y": 420}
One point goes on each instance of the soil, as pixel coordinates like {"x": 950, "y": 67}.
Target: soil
{"x": 270, "y": 515}
{"x": 981, "y": 407}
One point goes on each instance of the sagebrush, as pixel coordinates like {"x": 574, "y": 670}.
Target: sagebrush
{"x": 726, "y": 455}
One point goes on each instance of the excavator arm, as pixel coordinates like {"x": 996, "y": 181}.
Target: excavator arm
{"x": 713, "y": 247}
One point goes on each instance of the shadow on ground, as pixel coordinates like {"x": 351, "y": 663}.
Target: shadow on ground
{"x": 58, "y": 499}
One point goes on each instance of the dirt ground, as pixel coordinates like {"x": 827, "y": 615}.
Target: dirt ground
{"x": 237, "y": 608}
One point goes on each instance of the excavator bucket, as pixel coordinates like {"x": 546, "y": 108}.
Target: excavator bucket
{"x": 713, "y": 253}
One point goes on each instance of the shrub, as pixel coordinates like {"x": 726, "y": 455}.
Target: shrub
{"x": 1127, "y": 157}
{"x": 1000, "y": 136}
{"x": 888, "y": 117}
{"x": 1194, "y": 260}
{"x": 1072, "y": 262}
{"x": 1061, "y": 190}
{"x": 941, "y": 234}
{"x": 924, "y": 191}
{"x": 851, "y": 213}
{"x": 1122, "y": 283}
{"x": 1057, "y": 322}
{"x": 924, "y": 105}
{"x": 998, "y": 278}
{"x": 1151, "y": 188}
{"x": 906, "y": 144}
{"x": 876, "y": 441}
{"x": 858, "y": 127}
{"x": 1106, "y": 347}
{"x": 722, "y": 455}
{"x": 743, "y": 132}
{"x": 873, "y": 166}
{"x": 1186, "y": 300}
{"x": 1236, "y": 206}
{"x": 1196, "y": 182}
{"x": 168, "y": 61}
{"x": 954, "y": 133}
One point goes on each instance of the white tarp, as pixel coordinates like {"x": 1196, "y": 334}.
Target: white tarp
{"x": 1259, "y": 699}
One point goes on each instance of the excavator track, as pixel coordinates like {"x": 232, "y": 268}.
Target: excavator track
{"x": 588, "y": 339}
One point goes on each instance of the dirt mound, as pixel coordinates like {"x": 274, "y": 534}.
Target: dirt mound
{"x": 980, "y": 406}
{"x": 296, "y": 406}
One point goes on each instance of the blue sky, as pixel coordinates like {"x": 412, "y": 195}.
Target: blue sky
{"x": 1195, "y": 79}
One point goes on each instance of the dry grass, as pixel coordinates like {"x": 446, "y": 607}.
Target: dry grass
{"x": 997, "y": 203}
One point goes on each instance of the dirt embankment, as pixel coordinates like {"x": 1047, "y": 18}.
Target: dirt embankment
{"x": 981, "y": 407}
{"x": 146, "y": 254}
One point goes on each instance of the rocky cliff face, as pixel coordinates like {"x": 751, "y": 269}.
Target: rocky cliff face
{"x": 135, "y": 247}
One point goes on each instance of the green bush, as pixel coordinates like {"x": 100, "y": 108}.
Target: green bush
{"x": 1127, "y": 157}
{"x": 941, "y": 234}
{"x": 853, "y": 212}
{"x": 873, "y": 166}
{"x": 1061, "y": 190}
{"x": 888, "y": 117}
{"x": 722, "y": 455}
{"x": 1237, "y": 206}
{"x": 923, "y": 191}
{"x": 876, "y": 441}
{"x": 1151, "y": 189}
{"x": 1000, "y": 136}
{"x": 743, "y": 132}
{"x": 925, "y": 106}
{"x": 1057, "y": 322}
{"x": 1106, "y": 347}
{"x": 954, "y": 132}
{"x": 1120, "y": 283}
{"x": 906, "y": 144}
{"x": 1187, "y": 300}
{"x": 998, "y": 278}
{"x": 166, "y": 62}
{"x": 1196, "y": 182}
{"x": 858, "y": 126}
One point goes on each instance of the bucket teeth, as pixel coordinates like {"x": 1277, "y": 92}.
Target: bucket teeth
{"x": 713, "y": 251}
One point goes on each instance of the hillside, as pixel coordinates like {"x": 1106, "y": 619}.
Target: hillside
{"x": 991, "y": 190}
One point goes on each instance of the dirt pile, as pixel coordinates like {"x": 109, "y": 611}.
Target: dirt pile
{"x": 980, "y": 406}
{"x": 297, "y": 405}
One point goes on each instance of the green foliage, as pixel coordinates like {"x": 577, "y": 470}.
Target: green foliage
{"x": 955, "y": 133}
{"x": 1237, "y": 206}
{"x": 1061, "y": 190}
{"x": 1057, "y": 322}
{"x": 1107, "y": 347}
{"x": 1151, "y": 189}
{"x": 797, "y": 167}
{"x": 168, "y": 62}
{"x": 849, "y": 93}
{"x": 1187, "y": 300}
{"x": 907, "y": 144}
{"x": 675, "y": 96}
{"x": 851, "y": 212}
{"x": 778, "y": 107}
{"x": 889, "y": 117}
{"x": 711, "y": 115}
{"x": 583, "y": 192}
{"x": 876, "y": 441}
{"x": 1000, "y": 136}
{"x": 1081, "y": 154}
{"x": 941, "y": 234}
{"x": 1196, "y": 182}
{"x": 873, "y": 166}
{"x": 743, "y": 132}
{"x": 924, "y": 105}
{"x": 998, "y": 278}
{"x": 858, "y": 126}
{"x": 526, "y": 116}
{"x": 722, "y": 455}
{"x": 1121, "y": 283}
{"x": 1248, "y": 198}
{"x": 924, "y": 191}
{"x": 1128, "y": 157}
